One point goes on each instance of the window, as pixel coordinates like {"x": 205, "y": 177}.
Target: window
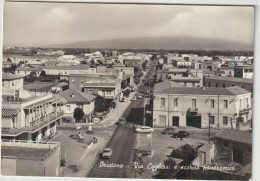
{"x": 247, "y": 102}
{"x": 176, "y": 102}
{"x": 225, "y": 104}
{"x": 216, "y": 84}
{"x": 162, "y": 101}
{"x": 225, "y": 120}
{"x": 212, "y": 103}
{"x": 225, "y": 144}
{"x": 185, "y": 84}
{"x": 224, "y": 85}
{"x": 240, "y": 103}
{"x": 212, "y": 120}
{"x": 209, "y": 84}
{"x": 68, "y": 107}
{"x": 193, "y": 84}
{"x": 193, "y": 103}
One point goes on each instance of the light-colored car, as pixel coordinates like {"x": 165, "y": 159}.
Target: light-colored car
{"x": 144, "y": 129}
{"x": 133, "y": 99}
{"x": 107, "y": 153}
{"x": 139, "y": 97}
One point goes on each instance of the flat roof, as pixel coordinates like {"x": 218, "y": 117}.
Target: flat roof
{"x": 24, "y": 152}
{"x": 231, "y": 79}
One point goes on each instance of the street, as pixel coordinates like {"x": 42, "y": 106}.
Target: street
{"x": 122, "y": 144}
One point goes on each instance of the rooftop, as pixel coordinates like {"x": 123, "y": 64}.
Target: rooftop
{"x": 26, "y": 153}
{"x": 231, "y": 79}
{"x": 165, "y": 85}
{"x": 236, "y": 90}
{"x": 73, "y": 96}
{"x": 27, "y": 150}
{"x": 6, "y": 76}
{"x": 29, "y": 68}
{"x": 81, "y": 67}
{"x": 235, "y": 135}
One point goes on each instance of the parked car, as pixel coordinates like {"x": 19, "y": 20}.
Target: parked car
{"x": 181, "y": 134}
{"x": 133, "y": 89}
{"x": 107, "y": 153}
{"x": 134, "y": 98}
{"x": 139, "y": 97}
{"x": 121, "y": 122}
{"x": 144, "y": 129}
{"x": 169, "y": 131}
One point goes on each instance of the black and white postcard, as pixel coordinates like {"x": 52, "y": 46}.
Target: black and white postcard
{"x": 127, "y": 90}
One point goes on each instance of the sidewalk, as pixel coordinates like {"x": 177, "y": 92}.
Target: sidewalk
{"x": 114, "y": 115}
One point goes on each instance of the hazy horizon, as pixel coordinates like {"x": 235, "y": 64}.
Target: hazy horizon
{"x": 49, "y": 24}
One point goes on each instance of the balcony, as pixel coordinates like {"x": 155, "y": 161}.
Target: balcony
{"x": 245, "y": 110}
{"x": 34, "y": 126}
{"x": 193, "y": 110}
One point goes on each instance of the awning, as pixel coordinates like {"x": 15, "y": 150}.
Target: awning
{"x": 9, "y": 112}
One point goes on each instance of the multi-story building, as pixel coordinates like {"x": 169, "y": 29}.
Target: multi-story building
{"x": 225, "y": 71}
{"x": 197, "y": 107}
{"x": 21, "y": 158}
{"x": 185, "y": 77}
{"x": 246, "y": 71}
{"x": 105, "y": 85}
{"x": 12, "y": 81}
{"x": 30, "y": 115}
{"x": 75, "y": 99}
{"x": 23, "y": 71}
{"x": 210, "y": 65}
{"x": 181, "y": 63}
{"x": 67, "y": 70}
{"x": 219, "y": 81}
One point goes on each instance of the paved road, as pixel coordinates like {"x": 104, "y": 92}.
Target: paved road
{"x": 122, "y": 143}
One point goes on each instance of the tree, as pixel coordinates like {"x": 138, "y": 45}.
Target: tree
{"x": 169, "y": 172}
{"x": 78, "y": 114}
{"x": 126, "y": 93}
{"x": 101, "y": 104}
{"x": 137, "y": 70}
{"x": 112, "y": 105}
{"x": 31, "y": 77}
{"x": 43, "y": 74}
{"x": 144, "y": 65}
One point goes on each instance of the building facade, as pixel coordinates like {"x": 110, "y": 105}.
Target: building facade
{"x": 30, "y": 118}
{"x": 20, "y": 158}
{"x": 197, "y": 107}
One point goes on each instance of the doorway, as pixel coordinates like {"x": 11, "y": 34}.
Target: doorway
{"x": 175, "y": 121}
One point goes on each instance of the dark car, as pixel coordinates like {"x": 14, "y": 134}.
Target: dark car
{"x": 169, "y": 131}
{"x": 181, "y": 134}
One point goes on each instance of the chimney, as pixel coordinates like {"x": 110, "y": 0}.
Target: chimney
{"x": 72, "y": 95}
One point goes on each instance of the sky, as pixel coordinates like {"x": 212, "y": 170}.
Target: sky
{"x": 43, "y": 24}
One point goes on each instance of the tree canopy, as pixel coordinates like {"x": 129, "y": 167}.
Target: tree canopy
{"x": 78, "y": 114}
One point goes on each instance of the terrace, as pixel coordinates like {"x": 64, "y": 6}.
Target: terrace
{"x": 34, "y": 126}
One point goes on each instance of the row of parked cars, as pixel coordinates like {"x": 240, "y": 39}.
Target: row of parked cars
{"x": 175, "y": 133}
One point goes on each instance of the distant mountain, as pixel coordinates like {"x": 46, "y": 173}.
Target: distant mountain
{"x": 160, "y": 43}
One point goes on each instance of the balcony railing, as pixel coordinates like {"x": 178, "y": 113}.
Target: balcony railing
{"x": 193, "y": 110}
{"x": 35, "y": 126}
{"x": 245, "y": 110}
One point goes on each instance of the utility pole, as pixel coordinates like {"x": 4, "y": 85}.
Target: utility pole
{"x": 144, "y": 113}
{"x": 218, "y": 111}
{"x": 209, "y": 128}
